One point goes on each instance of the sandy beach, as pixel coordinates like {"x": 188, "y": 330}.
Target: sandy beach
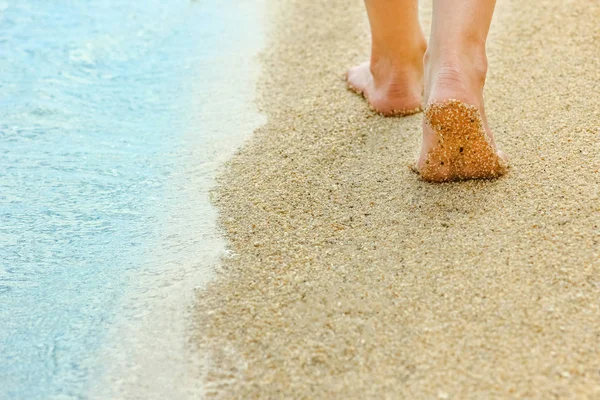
{"x": 351, "y": 278}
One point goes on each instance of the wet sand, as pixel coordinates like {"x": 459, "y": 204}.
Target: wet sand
{"x": 351, "y": 278}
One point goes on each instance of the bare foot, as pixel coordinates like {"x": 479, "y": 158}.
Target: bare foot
{"x": 457, "y": 141}
{"x": 388, "y": 88}
{"x": 392, "y": 81}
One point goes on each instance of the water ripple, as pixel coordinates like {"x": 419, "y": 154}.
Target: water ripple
{"x": 94, "y": 98}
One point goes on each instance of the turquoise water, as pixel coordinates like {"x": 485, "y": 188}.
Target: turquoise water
{"x": 106, "y": 114}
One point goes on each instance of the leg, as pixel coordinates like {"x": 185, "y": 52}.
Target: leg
{"x": 457, "y": 142}
{"x": 392, "y": 80}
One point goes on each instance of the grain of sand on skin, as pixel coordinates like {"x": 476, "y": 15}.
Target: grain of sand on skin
{"x": 353, "y": 279}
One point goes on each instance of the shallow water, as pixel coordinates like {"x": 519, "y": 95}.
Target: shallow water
{"x": 113, "y": 119}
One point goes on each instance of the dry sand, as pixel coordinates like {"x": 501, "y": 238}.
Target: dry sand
{"x": 353, "y": 279}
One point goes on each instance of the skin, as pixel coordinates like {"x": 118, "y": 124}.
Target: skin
{"x": 392, "y": 81}
{"x": 453, "y": 66}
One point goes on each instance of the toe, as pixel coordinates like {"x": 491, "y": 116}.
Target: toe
{"x": 503, "y": 156}
{"x": 358, "y": 77}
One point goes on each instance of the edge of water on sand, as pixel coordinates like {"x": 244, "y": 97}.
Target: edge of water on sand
{"x": 149, "y": 354}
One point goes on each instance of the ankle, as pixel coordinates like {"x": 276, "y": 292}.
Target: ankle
{"x": 398, "y": 56}
{"x": 402, "y": 65}
{"x": 472, "y": 61}
{"x": 462, "y": 73}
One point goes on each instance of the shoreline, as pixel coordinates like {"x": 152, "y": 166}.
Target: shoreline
{"x": 148, "y": 353}
{"x": 352, "y": 279}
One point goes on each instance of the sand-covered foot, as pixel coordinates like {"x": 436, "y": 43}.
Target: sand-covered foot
{"x": 388, "y": 91}
{"x": 456, "y": 145}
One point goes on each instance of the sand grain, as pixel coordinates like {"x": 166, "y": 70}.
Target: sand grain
{"x": 354, "y": 279}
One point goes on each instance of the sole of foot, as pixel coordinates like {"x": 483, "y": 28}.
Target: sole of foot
{"x": 461, "y": 148}
{"x": 397, "y": 97}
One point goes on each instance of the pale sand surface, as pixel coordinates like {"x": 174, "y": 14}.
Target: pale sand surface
{"x": 353, "y": 279}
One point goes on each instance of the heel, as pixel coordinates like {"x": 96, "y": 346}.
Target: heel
{"x": 463, "y": 149}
